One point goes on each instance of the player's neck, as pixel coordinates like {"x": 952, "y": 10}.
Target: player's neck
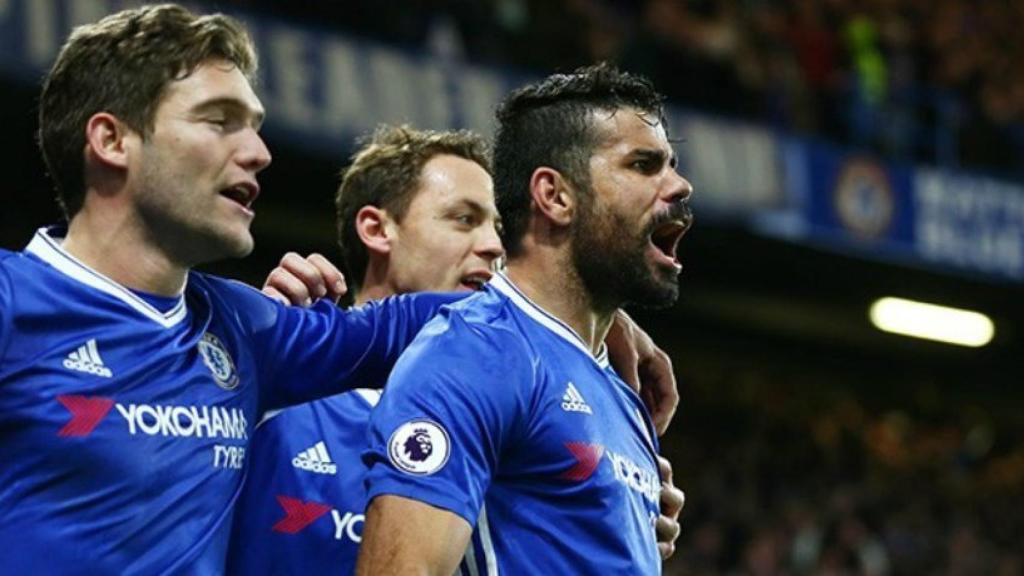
{"x": 376, "y": 281}
{"x": 116, "y": 248}
{"x": 553, "y": 284}
{"x": 372, "y": 292}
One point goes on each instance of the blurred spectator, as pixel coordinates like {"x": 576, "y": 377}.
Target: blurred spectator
{"x": 934, "y": 81}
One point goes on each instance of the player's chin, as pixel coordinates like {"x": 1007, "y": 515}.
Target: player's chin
{"x": 237, "y": 243}
{"x": 666, "y": 549}
{"x": 662, "y": 286}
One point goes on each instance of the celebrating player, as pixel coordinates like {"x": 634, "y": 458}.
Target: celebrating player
{"x": 415, "y": 212}
{"x": 128, "y": 383}
{"x": 504, "y": 414}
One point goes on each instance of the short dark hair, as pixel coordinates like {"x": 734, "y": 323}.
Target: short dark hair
{"x": 549, "y": 123}
{"x": 385, "y": 172}
{"x": 122, "y": 65}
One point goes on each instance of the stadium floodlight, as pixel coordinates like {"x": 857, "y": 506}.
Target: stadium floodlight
{"x": 932, "y": 322}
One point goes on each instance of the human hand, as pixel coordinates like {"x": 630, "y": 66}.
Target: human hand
{"x": 645, "y": 367}
{"x": 301, "y": 281}
{"x": 673, "y": 499}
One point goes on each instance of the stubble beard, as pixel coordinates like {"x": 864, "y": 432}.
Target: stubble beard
{"x": 181, "y": 227}
{"x": 610, "y": 256}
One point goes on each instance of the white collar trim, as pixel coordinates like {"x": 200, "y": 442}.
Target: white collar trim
{"x": 502, "y": 284}
{"x": 49, "y": 250}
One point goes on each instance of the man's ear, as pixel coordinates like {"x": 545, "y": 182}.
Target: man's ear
{"x": 373, "y": 228}
{"x": 553, "y": 195}
{"x": 105, "y": 139}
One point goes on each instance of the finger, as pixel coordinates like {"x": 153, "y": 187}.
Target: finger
{"x": 306, "y": 273}
{"x": 667, "y": 529}
{"x": 658, "y": 376}
{"x": 273, "y": 293}
{"x": 334, "y": 280}
{"x": 667, "y": 532}
{"x": 665, "y": 469}
{"x": 672, "y": 500}
{"x": 286, "y": 284}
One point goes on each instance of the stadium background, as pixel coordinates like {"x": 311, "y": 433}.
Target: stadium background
{"x": 841, "y": 151}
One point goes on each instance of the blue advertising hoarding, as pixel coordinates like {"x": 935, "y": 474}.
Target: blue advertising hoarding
{"x": 323, "y": 88}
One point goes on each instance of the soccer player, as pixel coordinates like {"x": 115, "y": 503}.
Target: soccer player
{"x": 415, "y": 212}
{"x": 128, "y": 383}
{"x": 503, "y": 415}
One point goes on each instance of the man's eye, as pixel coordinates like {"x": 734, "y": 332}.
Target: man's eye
{"x": 641, "y": 165}
{"x": 224, "y": 122}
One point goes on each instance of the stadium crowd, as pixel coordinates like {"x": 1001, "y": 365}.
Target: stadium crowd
{"x": 785, "y": 475}
{"x": 928, "y": 81}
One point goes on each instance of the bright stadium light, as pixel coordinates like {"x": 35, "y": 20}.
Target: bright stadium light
{"x": 932, "y": 322}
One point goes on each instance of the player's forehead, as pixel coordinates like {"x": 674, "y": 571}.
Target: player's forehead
{"x": 214, "y": 84}
{"x": 447, "y": 180}
{"x": 625, "y": 130}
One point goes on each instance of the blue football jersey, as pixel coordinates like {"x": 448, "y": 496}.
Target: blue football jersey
{"x": 301, "y": 510}
{"x": 499, "y": 413}
{"x": 124, "y": 428}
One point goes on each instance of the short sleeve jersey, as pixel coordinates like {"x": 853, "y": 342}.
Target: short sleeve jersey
{"x": 499, "y": 413}
{"x": 124, "y": 427}
{"x": 302, "y": 507}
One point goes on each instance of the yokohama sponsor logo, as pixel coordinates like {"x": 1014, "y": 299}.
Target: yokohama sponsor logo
{"x": 636, "y": 477}
{"x": 298, "y": 515}
{"x": 185, "y": 421}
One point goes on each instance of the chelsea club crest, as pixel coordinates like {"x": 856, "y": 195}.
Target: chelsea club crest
{"x": 217, "y": 359}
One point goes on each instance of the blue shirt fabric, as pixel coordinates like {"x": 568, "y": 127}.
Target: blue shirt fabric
{"x": 124, "y": 429}
{"x": 302, "y": 507}
{"x": 499, "y": 413}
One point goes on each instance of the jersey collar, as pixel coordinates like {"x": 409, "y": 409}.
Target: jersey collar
{"x": 502, "y": 284}
{"x": 46, "y": 245}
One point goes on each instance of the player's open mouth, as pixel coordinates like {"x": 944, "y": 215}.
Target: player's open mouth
{"x": 475, "y": 280}
{"x": 666, "y": 236}
{"x": 243, "y": 193}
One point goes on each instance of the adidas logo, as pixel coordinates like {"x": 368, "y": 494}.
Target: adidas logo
{"x": 572, "y": 401}
{"x": 315, "y": 459}
{"x": 87, "y": 359}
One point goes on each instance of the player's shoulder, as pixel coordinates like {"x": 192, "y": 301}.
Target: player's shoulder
{"x": 16, "y": 268}
{"x": 11, "y": 262}
{"x": 475, "y": 334}
{"x": 7, "y": 263}
{"x": 483, "y": 319}
{"x": 224, "y": 287}
{"x": 234, "y": 297}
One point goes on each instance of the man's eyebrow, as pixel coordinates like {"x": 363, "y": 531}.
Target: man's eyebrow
{"x": 477, "y": 207}
{"x": 233, "y": 105}
{"x": 655, "y": 155}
